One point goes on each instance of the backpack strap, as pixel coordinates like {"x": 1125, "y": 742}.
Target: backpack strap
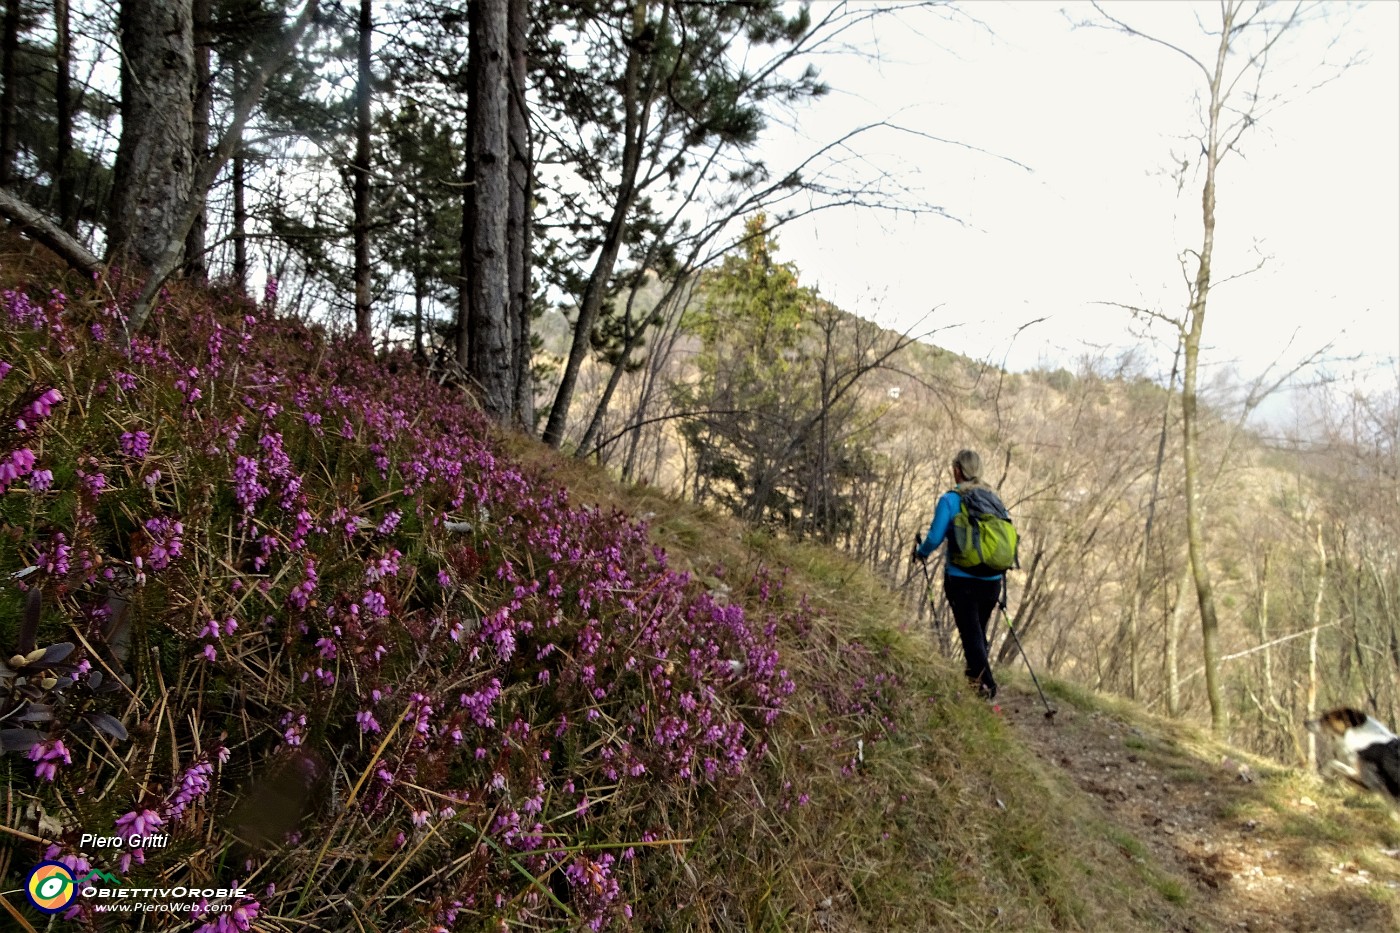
{"x": 981, "y": 500}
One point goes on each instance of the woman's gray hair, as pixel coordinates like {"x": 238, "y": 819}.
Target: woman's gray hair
{"x": 970, "y": 464}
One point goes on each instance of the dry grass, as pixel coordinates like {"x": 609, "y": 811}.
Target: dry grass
{"x": 923, "y": 814}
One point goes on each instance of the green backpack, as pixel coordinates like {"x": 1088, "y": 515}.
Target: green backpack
{"x": 982, "y": 541}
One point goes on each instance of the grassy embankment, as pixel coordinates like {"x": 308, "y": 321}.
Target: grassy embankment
{"x": 357, "y": 653}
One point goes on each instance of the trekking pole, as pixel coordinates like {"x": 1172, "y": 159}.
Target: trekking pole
{"x": 928, "y": 577}
{"x": 1049, "y": 711}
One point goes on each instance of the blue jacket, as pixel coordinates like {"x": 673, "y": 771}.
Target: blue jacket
{"x": 949, "y": 504}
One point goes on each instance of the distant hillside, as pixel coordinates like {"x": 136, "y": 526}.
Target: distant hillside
{"x": 1091, "y": 463}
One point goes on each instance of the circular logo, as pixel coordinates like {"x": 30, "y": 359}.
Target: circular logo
{"x": 51, "y": 887}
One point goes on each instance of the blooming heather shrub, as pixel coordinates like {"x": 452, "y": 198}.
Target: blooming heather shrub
{"x": 365, "y": 665}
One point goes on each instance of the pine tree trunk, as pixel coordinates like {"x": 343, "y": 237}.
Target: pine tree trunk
{"x": 518, "y": 222}
{"x": 240, "y": 222}
{"x": 489, "y": 354}
{"x": 63, "y": 104}
{"x": 9, "y": 68}
{"x": 155, "y": 156}
{"x": 196, "y": 266}
{"x": 360, "y": 171}
{"x": 181, "y": 216}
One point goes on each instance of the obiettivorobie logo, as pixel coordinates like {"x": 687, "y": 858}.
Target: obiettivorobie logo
{"x": 52, "y": 887}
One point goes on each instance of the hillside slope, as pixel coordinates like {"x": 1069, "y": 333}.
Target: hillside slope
{"x": 307, "y": 619}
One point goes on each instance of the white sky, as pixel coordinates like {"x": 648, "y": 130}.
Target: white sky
{"x": 1095, "y": 116}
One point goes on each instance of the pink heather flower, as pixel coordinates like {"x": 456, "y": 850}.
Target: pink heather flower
{"x": 41, "y": 480}
{"x": 4, "y": 368}
{"x": 238, "y": 920}
{"x": 136, "y": 445}
{"x": 94, "y": 482}
{"x": 194, "y": 784}
{"x": 55, "y": 561}
{"x": 293, "y": 724}
{"x": 374, "y": 603}
{"x": 300, "y": 596}
{"x": 166, "y": 542}
{"x": 43, "y": 405}
{"x": 367, "y": 721}
{"x": 48, "y": 755}
{"x": 139, "y": 822}
{"x": 18, "y": 464}
{"x": 246, "y": 488}
{"x": 386, "y": 566}
{"x": 211, "y": 653}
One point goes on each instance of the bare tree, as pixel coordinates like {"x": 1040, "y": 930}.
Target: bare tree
{"x": 1235, "y": 101}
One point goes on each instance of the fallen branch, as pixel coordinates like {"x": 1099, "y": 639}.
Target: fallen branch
{"x": 45, "y": 231}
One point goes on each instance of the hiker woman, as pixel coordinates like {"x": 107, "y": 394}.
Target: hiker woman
{"x": 972, "y": 587}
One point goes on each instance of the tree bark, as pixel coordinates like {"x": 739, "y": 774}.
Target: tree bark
{"x": 169, "y": 258}
{"x": 360, "y": 170}
{"x": 9, "y": 65}
{"x": 63, "y": 104}
{"x": 154, "y": 177}
{"x": 196, "y": 267}
{"x": 518, "y": 222}
{"x": 240, "y": 221}
{"x": 485, "y": 343}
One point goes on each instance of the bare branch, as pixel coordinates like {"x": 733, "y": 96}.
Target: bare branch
{"x": 48, "y": 233}
{"x": 1124, "y": 27}
{"x": 1146, "y": 312}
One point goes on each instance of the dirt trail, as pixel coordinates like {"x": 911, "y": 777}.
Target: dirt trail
{"x": 1255, "y": 847}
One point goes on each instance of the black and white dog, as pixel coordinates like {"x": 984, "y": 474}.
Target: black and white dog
{"x": 1361, "y": 749}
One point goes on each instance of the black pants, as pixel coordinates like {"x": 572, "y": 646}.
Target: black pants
{"x": 974, "y": 602}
